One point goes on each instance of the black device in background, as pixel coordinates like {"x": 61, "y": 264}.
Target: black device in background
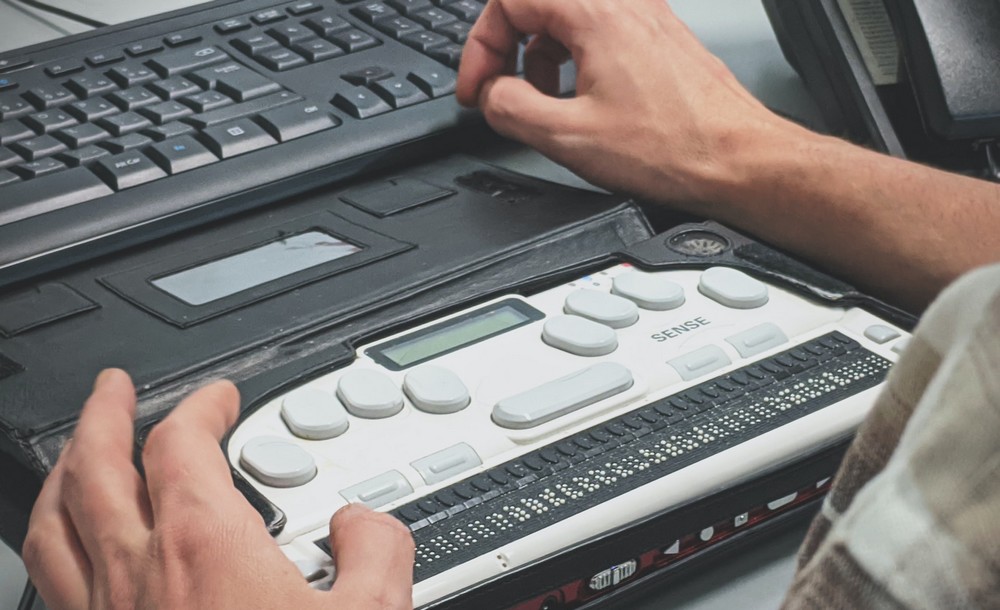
{"x": 915, "y": 78}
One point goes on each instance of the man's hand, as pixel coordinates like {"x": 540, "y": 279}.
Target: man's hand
{"x": 101, "y": 536}
{"x": 655, "y": 114}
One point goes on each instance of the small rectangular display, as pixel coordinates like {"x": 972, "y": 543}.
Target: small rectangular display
{"x": 454, "y": 334}
{"x": 227, "y": 276}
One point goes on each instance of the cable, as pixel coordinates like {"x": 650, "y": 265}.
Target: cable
{"x": 55, "y": 10}
{"x": 28, "y": 597}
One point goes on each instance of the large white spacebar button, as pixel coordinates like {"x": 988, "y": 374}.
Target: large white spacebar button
{"x": 557, "y": 398}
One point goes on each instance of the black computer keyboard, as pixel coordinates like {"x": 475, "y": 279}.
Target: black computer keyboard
{"x": 135, "y": 131}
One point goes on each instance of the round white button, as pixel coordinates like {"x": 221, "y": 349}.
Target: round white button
{"x": 313, "y": 414}
{"x": 608, "y": 309}
{"x": 649, "y": 291}
{"x": 277, "y": 462}
{"x": 436, "y": 390}
{"x": 732, "y": 288}
{"x": 579, "y": 336}
{"x": 369, "y": 394}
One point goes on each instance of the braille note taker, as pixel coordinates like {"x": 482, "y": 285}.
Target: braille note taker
{"x": 394, "y": 195}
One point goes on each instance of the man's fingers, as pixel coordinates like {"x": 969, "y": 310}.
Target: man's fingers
{"x": 542, "y": 59}
{"x": 52, "y": 552}
{"x": 101, "y": 489}
{"x": 374, "y": 554}
{"x": 182, "y": 458}
{"x": 516, "y": 109}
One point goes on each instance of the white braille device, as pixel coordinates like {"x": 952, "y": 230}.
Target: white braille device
{"x": 460, "y": 420}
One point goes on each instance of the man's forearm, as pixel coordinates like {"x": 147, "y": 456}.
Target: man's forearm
{"x": 897, "y": 229}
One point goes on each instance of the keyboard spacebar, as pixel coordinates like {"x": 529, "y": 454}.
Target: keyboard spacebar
{"x": 30, "y": 198}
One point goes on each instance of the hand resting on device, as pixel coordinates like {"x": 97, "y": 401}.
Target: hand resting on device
{"x": 101, "y": 536}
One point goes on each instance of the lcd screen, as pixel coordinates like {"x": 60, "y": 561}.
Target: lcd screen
{"x": 227, "y": 276}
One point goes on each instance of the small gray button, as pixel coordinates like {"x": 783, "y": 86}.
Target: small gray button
{"x": 579, "y": 336}
{"x": 379, "y": 490}
{"x": 436, "y": 390}
{"x": 565, "y": 395}
{"x": 901, "y": 346}
{"x": 608, "y": 309}
{"x": 648, "y": 291}
{"x": 732, "y": 288}
{"x": 880, "y": 333}
{"x": 700, "y": 361}
{"x": 757, "y": 339}
{"x": 313, "y": 414}
{"x": 447, "y": 463}
{"x": 277, "y": 462}
{"x": 369, "y": 394}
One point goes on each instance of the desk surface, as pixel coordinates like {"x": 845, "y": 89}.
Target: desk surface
{"x": 739, "y": 33}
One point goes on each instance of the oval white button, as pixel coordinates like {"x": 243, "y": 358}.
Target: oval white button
{"x": 608, "y": 309}
{"x": 435, "y": 389}
{"x": 732, "y": 288}
{"x": 369, "y": 394}
{"x": 579, "y": 336}
{"x": 313, "y": 414}
{"x": 277, "y": 462}
{"x": 649, "y": 291}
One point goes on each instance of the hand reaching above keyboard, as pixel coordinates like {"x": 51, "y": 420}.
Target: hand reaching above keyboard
{"x": 654, "y": 109}
{"x": 101, "y": 536}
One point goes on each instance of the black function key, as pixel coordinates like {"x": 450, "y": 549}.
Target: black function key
{"x": 185, "y": 60}
{"x": 230, "y": 26}
{"x": 360, "y": 103}
{"x": 268, "y": 16}
{"x": 47, "y": 122}
{"x": 324, "y": 25}
{"x": 304, "y": 8}
{"x": 318, "y": 50}
{"x": 137, "y": 49}
{"x": 127, "y": 170}
{"x": 47, "y": 97}
{"x": 353, "y": 40}
{"x": 255, "y": 44}
{"x": 434, "y": 83}
{"x": 12, "y": 63}
{"x": 63, "y": 68}
{"x": 281, "y": 60}
{"x": 370, "y": 12}
{"x": 104, "y": 58}
{"x": 88, "y": 85}
{"x": 398, "y": 92}
{"x": 296, "y": 120}
{"x": 180, "y": 39}
{"x": 181, "y": 154}
{"x": 236, "y": 138}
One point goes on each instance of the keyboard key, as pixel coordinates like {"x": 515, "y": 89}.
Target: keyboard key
{"x": 104, "y": 58}
{"x": 399, "y": 92}
{"x": 269, "y": 16}
{"x": 360, "y": 103}
{"x": 366, "y": 76}
{"x": 370, "y": 12}
{"x": 291, "y": 33}
{"x": 181, "y": 154}
{"x": 63, "y": 189}
{"x": 433, "y": 17}
{"x": 89, "y": 85}
{"x": 353, "y": 40}
{"x": 281, "y": 59}
{"x": 47, "y": 97}
{"x": 236, "y": 81}
{"x": 134, "y": 98}
{"x": 173, "y": 88}
{"x": 81, "y": 135}
{"x": 208, "y": 100}
{"x": 397, "y": 27}
{"x": 457, "y": 31}
{"x": 12, "y": 107}
{"x": 303, "y": 8}
{"x": 63, "y": 68}
{"x": 231, "y": 26}
{"x": 91, "y": 110}
{"x": 7, "y": 84}
{"x": 12, "y": 131}
{"x": 82, "y": 156}
{"x": 318, "y": 50}
{"x": 408, "y": 7}
{"x": 8, "y": 177}
{"x": 37, "y": 148}
{"x": 128, "y": 75}
{"x": 169, "y": 130}
{"x": 181, "y": 38}
{"x": 424, "y": 41}
{"x": 296, "y": 120}
{"x": 467, "y": 10}
{"x": 324, "y": 25}
{"x": 125, "y": 123}
{"x": 9, "y": 157}
{"x": 138, "y": 49}
{"x": 124, "y": 143}
{"x": 165, "y": 112}
{"x": 448, "y": 54}
{"x": 434, "y": 83}
{"x": 42, "y": 167}
{"x": 238, "y": 111}
{"x": 254, "y": 45}
{"x": 11, "y": 63}
{"x": 127, "y": 170}
{"x": 236, "y": 138}
{"x": 185, "y": 60}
